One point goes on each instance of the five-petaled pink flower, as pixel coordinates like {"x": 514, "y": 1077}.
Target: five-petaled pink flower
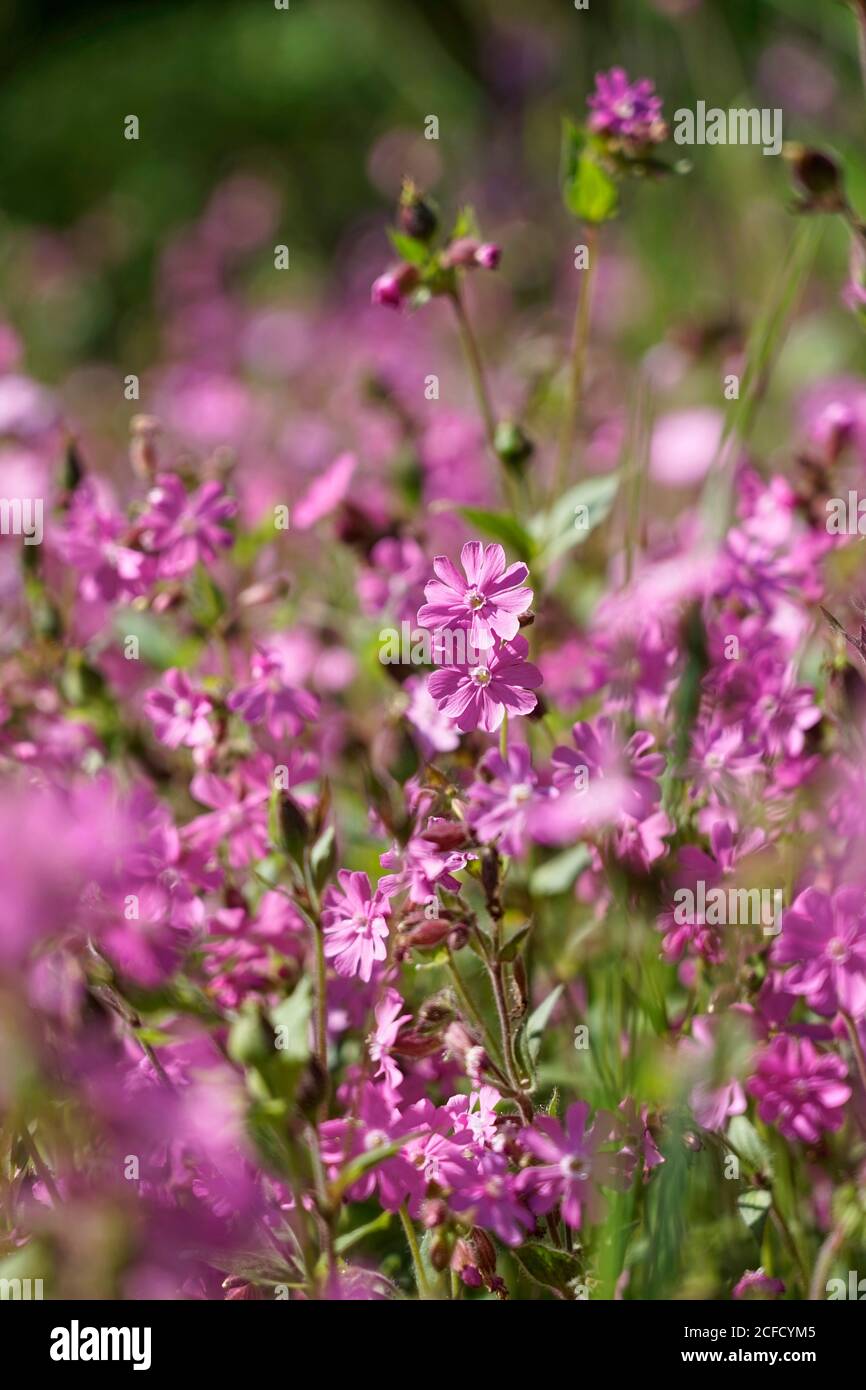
{"x": 488, "y": 602}
{"x": 389, "y": 1021}
{"x": 179, "y": 712}
{"x": 354, "y": 924}
{"x": 800, "y": 1090}
{"x": 183, "y": 529}
{"x": 267, "y": 698}
{"x": 572, "y": 1164}
{"x": 824, "y": 939}
{"x": 477, "y": 697}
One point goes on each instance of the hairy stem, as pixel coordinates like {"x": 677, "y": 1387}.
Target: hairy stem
{"x": 415, "y": 1251}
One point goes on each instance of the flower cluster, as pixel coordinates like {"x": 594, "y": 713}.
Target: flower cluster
{"x": 322, "y": 978}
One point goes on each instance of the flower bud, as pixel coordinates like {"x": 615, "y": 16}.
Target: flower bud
{"x": 445, "y": 834}
{"x": 427, "y": 933}
{"x": 512, "y": 445}
{"x": 415, "y": 215}
{"x": 460, "y": 1042}
{"x": 488, "y": 255}
{"x": 490, "y": 872}
{"x": 434, "y": 1212}
{"x": 393, "y": 285}
{"x": 818, "y": 176}
{"x": 294, "y": 831}
{"x": 461, "y": 252}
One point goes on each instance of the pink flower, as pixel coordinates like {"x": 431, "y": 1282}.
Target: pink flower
{"x": 92, "y": 543}
{"x": 436, "y": 733}
{"x": 389, "y": 1021}
{"x": 572, "y": 1164}
{"x": 488, "y": 601}
{"x": 713, "y": 1101}
{"x": 183, "y": 530}
{"x": 267, "y": 699}
{"x": 476, "y": 697}
{"x": 631, "y": 110}
{"x": 179, "y": 712}
{"x": 799, "y": 1089}
{"x": 755, "y": 1283}
{"x": 601, "y": 752}
{"x": 501, "y": 798}
{"x": 492, "y": 1197}
{"x": 354, "y": 924}
{"x": 825, "y": 940}
{"x": 393, "y": 285}
{"x": 378, "y": 1122}
{"x": 423, "y": 866}
{"x": 488, "y": 255}
{"x": 323, "y": 495}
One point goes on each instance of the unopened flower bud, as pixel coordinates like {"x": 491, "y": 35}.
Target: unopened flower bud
{"x": 488, "y": 255}
{"x": 460, "y": 1042}
{"x": 512, "y": 444}
{"x": 294, "y": 831}
{"x": 428, "y": 933}
{"x": 434, "y": 1212}
{"x": 392, "y": 287}
{"x": 445, "y": 834}
{"x": 461, "y": 252}
{"x": 818, "y": 177}
{"x": 483, "y": 1251}
{"x": 459, "y": 937}
{"x": 415, "y": 215}
{"x": 463, "y": 1263}
{"x": 490, "y": 872}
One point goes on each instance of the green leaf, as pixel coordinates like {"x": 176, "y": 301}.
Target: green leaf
{"x": 515, "y": 943}
{"x": 350, "y": 1238}
{"x": 587, "y": 189}
{"x": 323, "y": 857}
{"x": 159, "y": 644}
{"x": 747, "y": 1141}
{"x": 249, "y": 1042}
{"x": 559, "y": 873}
{"x": 538, "y": 1021}
{"x": 409, "y": 248}
{"x": 552, "y": 1269}
{"x": 360, "y": 1165}
{"x": 466, "y": 224}
{"x": 574, "y": 516}
{"x": 291, "y": 1022}
{"x": 754, "y": 1207}
{"x": 206, "y": 602}
{"x": 501, "y": 526}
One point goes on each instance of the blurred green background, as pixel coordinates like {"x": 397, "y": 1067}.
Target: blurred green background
{"x": 305, "y": 95}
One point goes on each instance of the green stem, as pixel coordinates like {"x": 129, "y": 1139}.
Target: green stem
{"x": 321, "y": 980}
{"x": 856, "y": 1044}
{"x": 579, "y": 341}
{"x": 472, "y": 354}
{"x": 473, "y": 1015}
{"x": 503, "y": 737}
{"x": 415, "y": 1251}
{"x": 826, "y": 1256}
